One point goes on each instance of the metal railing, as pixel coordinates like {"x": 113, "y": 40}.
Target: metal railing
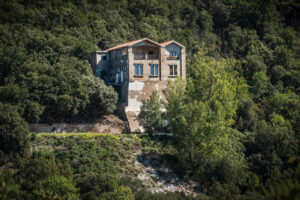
{"x": 152, "y": 57}
{"x": 146, "y": 57}
{"x": 139, "y": 57}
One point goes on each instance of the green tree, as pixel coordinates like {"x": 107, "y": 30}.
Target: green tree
{"x": 260, "y": 84}
{"x": 151, "y": 113}
{"x": 202, "y": 132}
{"x": 14, "y": 131}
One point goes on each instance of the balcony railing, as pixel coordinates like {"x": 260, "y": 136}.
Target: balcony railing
{"x": 146, "y": 57}
{"x": 152, "y": 57}
{"x": 139, "y": 57}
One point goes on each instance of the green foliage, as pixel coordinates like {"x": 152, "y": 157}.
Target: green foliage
{"x": 61, "y": 187}
{"x": 270, "y": 147}
{"x": 151, "y": 113}
{"x": 14, "y": 131}
{"x": 202, "y": 134}
{"x": 288, "y": 105}
{"x": 224, "y": 191}
{"x": 284, "y": 189}
{"x": 45, "y": 77}
{"x": 260, "y": 83}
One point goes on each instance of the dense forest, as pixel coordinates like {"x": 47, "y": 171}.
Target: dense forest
{"x": 235, "y": 123}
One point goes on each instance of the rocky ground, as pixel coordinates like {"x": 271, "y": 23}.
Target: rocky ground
{"x": 159, "y": 178}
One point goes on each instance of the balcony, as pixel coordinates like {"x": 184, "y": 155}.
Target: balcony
{"x": 153, "y": 57}
{"x": 139, "y": 57}
{"x": 146, "y": 57}
{"x": 173, "y": 57}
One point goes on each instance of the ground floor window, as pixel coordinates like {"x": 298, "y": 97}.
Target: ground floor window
{"x": 173, "y": 70}
{"x": 138, "y": 69}
{"x": 154, "y": 69}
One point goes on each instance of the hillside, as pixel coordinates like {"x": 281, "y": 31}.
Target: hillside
{"x": 233, "y": 125}
{"x": 91, "y": 165}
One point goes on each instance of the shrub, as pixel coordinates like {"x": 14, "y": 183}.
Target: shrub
{"x": 14, "y": 131}
{"x": 61, "y": 186}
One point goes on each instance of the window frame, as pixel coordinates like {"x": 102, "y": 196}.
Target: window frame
{"x": 154, "y": 71}
{"x": 172, "y": 70}
{"x": 138, "y": 69}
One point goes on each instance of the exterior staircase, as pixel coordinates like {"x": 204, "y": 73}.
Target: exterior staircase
{"x": 133, "y": 123}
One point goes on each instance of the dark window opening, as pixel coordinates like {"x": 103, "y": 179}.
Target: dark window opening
{"x": 173, "y": 70}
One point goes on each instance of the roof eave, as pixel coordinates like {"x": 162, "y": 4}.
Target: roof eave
{"x": 173, "y": 41}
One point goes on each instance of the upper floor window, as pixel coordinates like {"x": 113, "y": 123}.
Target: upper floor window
{"x": 124, "y": 52}
{"x": 154, "y": 69}
{"x": 103, "y": 57}
{"x": 173, "y": 70}
{"x": 138, "y": 69}
{"x": 173, "y": 53}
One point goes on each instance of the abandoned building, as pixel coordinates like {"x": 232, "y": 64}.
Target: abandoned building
{"x": 137, "y": 68}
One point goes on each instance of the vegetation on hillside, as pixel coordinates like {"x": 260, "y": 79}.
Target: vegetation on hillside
{"x": 235, "y": 122}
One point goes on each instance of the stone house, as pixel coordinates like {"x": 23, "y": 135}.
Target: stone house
{"x": 137, "y": 68}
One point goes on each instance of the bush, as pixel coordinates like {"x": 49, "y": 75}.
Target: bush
{"x": 61, "y": 187}
{"x": 14, "y": 131}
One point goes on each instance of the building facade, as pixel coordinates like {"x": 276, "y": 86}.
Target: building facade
{"x": 137, "y": 68}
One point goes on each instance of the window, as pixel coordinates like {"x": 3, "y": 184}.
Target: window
{"x": 173, "y": 70}
{"x": 138, "y": 69}
{"x": 103, "y": 57}
{"x": 172, "y": 53}
{"x": 154, "y": 69}
{"x": 150, "y": 52}
{"x": 124, "y": 52}
{"x": 141, "y": 69}
{"x": 151, "y": 69}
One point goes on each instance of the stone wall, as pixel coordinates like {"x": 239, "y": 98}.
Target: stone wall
{"x": 108, "y": 124}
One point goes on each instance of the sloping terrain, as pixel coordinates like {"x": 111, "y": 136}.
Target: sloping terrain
{"x": 138, "y": 157}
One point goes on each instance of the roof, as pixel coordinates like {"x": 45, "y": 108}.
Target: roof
{"x": 100, "y": 51}
{"x": 126, "y": 44}
{"x": 166, "y": 43}
{"x": 131, "y": 43}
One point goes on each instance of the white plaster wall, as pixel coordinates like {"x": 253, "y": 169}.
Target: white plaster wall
{"x": 133, "y": 104}
{"x": 136, "y": 85}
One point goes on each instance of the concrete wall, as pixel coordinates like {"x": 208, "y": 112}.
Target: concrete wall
{"x": 142, "y": 90}
{"x": 99, "y": 65}
{"x": 108, "y": 124}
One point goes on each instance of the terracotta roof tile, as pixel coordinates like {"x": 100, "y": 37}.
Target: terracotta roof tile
{"x": 166, "y": 42}
{"x": 125, "y": 44}
{"x": 171, "y": 41}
